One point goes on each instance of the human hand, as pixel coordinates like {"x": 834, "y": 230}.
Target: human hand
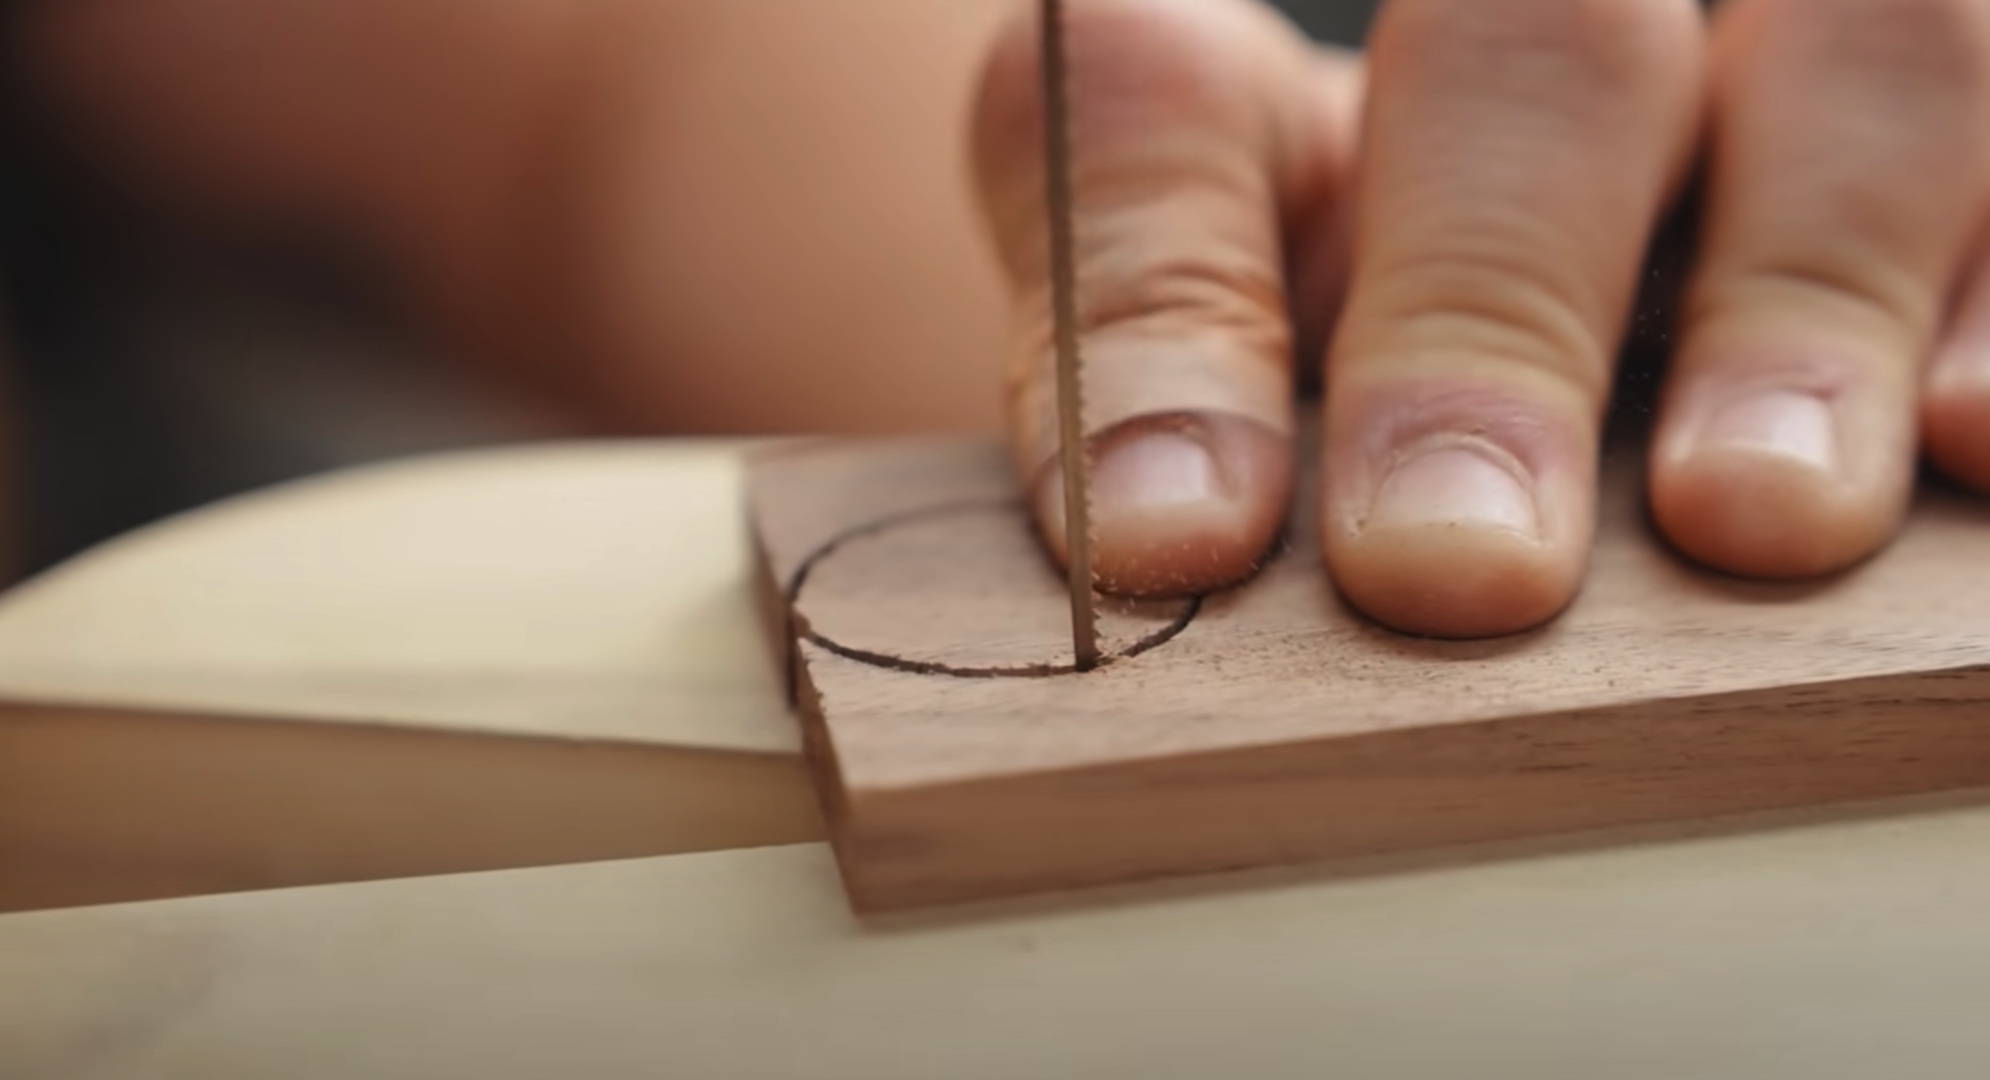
{"x": 1472, "y": 252}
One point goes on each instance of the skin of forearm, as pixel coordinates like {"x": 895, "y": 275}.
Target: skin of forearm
{"x": 694, "y": 216}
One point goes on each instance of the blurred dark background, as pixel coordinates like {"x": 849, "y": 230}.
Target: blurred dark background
{"x": 156, "y": 371}
{"x": 1340, "y": 21}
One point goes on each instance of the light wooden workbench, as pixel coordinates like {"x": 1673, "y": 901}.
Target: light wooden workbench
{"x": 539, "y": 655}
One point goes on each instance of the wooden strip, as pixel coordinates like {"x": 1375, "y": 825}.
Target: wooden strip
{"x": 105, "y": 805}
{"x": 501, "y": 658}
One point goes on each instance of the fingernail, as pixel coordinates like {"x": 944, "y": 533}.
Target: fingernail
{"x": 1182, "y": 503}
{"x": 1155, "y": 471}
{"x": 1786, "y": 423}
{"x": 1459, "y": 485}
{"x": 1142, "y": 478}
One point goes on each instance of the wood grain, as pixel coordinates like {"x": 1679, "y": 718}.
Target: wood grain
{"x": 1279, "y": 726}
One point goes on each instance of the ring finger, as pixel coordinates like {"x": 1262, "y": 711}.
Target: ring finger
{"x": 1847, "y": 168}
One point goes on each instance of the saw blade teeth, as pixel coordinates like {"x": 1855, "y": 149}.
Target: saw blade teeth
{"x": 1073, "y": 456}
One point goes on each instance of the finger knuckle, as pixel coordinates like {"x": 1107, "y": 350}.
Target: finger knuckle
{"x": 1133, "y": 60}
{"x": 1486, "y": 302}
{"x": 1915, "y": 48}
{"x": 1847, "y": 289}
{"x": 1240, "y": 297}
{"x": 1171, "y": 53}
{"x": 1592, "y": 46}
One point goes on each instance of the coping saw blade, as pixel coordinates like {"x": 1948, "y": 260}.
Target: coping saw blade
{"x": 1071, "y": 452}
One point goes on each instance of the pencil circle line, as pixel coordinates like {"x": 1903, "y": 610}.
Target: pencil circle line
{"x": 798, "y": 581}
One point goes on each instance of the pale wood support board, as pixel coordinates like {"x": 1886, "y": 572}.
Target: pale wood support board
{"x": 1847, "y": 950}
{"x": 1795, "y": 945}
{"x": 1271, "y": 724}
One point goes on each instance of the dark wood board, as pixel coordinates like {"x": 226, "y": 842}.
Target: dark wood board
{"x": 926, "y": 636}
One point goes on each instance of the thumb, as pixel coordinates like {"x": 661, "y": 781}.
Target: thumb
{"x": 1199, "y": 131}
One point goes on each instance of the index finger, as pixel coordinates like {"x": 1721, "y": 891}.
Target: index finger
{"x": 1200, "y": 130}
